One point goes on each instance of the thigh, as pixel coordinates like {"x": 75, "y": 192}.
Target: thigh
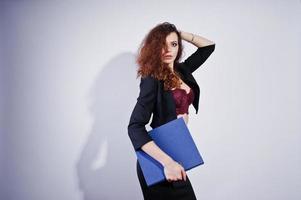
{"x": 176, "y": 190}
{"x": 183, "y": 190}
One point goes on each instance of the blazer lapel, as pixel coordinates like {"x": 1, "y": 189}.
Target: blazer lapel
{"x": 168, "y": 104}
{"x": 188, "y": 78}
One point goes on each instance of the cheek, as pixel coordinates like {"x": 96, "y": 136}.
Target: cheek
{"x": 176, "y": 51}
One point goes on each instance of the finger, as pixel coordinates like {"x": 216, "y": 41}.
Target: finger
{"x": 171, "y": 178}
{"x": 184, "y": 175}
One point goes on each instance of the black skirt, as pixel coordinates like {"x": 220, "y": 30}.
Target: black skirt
{"x": 175, "y": 190}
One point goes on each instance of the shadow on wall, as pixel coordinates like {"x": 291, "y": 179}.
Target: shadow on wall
{"x": 114, "y": 95}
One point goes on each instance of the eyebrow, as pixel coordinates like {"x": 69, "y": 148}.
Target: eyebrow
{"x": 172, "y": 42}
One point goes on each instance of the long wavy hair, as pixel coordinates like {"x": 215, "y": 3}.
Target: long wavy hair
{"x": 149, "y": 58}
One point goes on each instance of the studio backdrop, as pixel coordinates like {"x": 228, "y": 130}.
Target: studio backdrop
{"x": 68, "y": 86}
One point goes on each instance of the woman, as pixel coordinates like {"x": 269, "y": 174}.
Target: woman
{"x": 167, "y": 88}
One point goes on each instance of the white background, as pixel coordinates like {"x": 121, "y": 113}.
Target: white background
{"x": 68, "y": 88}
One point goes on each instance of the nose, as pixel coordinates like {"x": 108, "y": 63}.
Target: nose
{"x": 167, "y": 49}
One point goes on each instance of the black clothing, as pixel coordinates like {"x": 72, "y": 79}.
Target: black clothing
{"x": 153, "y": 99}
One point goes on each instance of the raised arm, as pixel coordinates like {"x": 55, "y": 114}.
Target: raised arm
{"x": 204, "y": 46}
{"x": 194, "y": 39}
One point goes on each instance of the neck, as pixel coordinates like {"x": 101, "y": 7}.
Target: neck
{"x": 171, "y": 66}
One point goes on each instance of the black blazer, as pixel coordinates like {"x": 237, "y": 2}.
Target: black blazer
{"x": 154, "y": 100}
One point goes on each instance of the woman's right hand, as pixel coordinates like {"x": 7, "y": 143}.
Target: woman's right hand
{"x": 173, "y": 171}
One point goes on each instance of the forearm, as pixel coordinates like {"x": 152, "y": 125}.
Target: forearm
{"x": 154, "y": 151}
{"x": 198, "y": 41}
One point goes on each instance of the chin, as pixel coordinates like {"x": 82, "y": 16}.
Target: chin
{"x": 169, "y": 62}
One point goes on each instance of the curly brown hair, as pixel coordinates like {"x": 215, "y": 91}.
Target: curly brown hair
{"x": 149, "y": 57}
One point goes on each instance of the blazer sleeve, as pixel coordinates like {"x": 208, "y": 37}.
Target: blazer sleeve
{"x": 195, "y": 60}
{"x": 142, "y": 112}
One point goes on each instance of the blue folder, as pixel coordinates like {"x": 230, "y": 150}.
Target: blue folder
{"x": 173, "y": 138}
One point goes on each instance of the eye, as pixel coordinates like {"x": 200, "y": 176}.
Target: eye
{"x": 174, "y": 44}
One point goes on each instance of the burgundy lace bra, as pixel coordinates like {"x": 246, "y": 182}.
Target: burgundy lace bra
{"x": 182, "y": 99}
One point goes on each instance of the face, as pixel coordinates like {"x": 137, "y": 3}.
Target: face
{"x": 172, "y": 48}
